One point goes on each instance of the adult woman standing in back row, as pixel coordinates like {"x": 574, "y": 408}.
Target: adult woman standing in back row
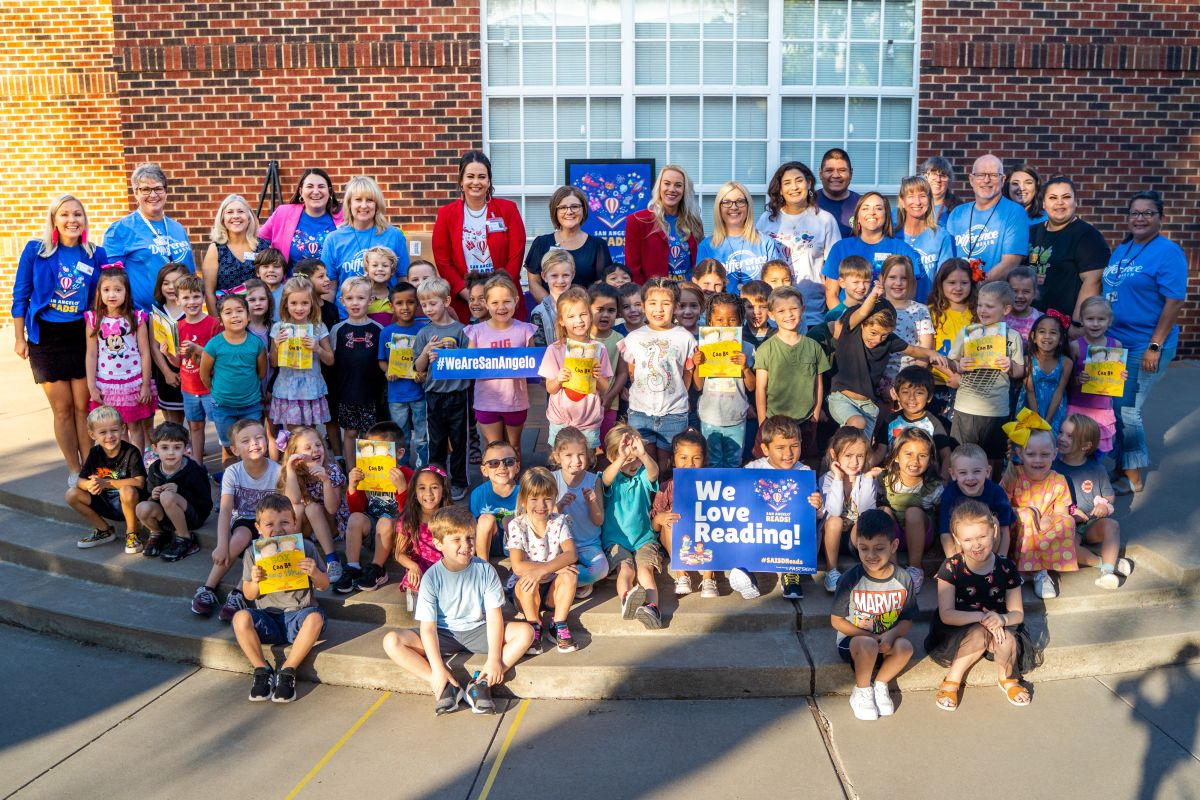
{"x": 229, "y": 260}
{"x": 568, "y": 212}
{"x": 1068, "y": 254}
{"x": 478, "y": 233}
{"x": 662, "y": 240}
{"x": 298, "y": 228}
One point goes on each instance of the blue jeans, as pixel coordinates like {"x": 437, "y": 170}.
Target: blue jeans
{"x": 593, "y": 565}
{"x": 658, "y": 431}
{"x": 414, "y": 428}
{"x": 592, "y": 436}
{"x": 1130, "y": 442}
{"x": 197, "y": 407}
{"x": 224, "y": 418}
{"x": 724, "y": 444}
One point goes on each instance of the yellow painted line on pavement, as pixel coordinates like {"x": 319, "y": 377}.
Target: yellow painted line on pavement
{"x": 312, "y": 773}
{"x": 491, "y": 778}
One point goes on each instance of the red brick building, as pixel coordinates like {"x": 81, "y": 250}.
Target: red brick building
{"x": 1104, "y": 91}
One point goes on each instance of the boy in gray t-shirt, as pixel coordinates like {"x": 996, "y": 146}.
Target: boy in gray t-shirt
{"x": 446, "y": 401}
{"x": 278, "y": 617}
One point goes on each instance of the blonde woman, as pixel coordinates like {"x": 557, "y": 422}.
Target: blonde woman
{"x": 662, "y": 240}
{"x": 366, "y": 226}
{"x": 229, "y": 260}
{"x": 735, "y": 242}
{"x": 917, "y": 227}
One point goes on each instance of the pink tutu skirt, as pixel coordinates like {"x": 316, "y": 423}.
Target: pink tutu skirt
{"x": 123, "y": 396}
{"x": 298, "y": 412}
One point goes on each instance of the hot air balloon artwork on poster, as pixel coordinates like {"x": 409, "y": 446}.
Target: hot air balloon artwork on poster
{"x": 615, "y": 188}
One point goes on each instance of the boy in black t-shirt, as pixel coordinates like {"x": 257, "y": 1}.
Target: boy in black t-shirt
{"x": 873, "y": 610}
{"x": 111, "y": 482}
{"x": 912, "y": 390}
{"x": 180, "y": 496}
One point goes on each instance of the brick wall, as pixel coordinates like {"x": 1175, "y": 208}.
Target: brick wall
{"x": 60, "y": 125}
{"x": 1108, "y": 93}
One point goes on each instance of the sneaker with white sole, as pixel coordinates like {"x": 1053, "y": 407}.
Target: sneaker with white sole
{"x": 1124, "y": 567}
{"x": 918, "y": 578}
{"x": 584, "y": 592}
{"x": 235, "y": 601}
{"x": 133, "y": 545}
{"x": 264, "y": 682}
{"x": 743, "y": 583}
{"x": 708, "y": 589}
{"x": 1108, "y": 580}
{"x": 862, "y": 703}
{"x": 479, "y": 696}
{"x": 683, "y": 585}
{"x": 632, "y": 601}
{"x": 792, "y": 588}
{"x": 204, "y": 601}
{"x": 97, "y": 537}
{"x": 831, "y": 579}
{"x": 1043, "y": 585}
{"x": 883, "y": 700}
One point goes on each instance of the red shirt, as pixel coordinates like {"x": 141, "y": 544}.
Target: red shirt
{"x": 199, "y": 333}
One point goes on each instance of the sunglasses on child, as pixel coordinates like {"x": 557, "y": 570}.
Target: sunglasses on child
{"x": 496, "y": 462}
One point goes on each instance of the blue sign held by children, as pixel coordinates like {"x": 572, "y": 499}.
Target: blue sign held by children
{"x": 756, "y": 519}
{"x": 487, "y": 362}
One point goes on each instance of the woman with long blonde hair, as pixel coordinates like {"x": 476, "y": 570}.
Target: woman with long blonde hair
{"x": 662, "y": 239}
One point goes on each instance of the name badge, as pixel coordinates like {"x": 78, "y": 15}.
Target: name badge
{"x": 248, "y": 256}
{"x": 496, "y": 225}
{"x": 1111, "y": 297}
{"x": 86, "y": 269}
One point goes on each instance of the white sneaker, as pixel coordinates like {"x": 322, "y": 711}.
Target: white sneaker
{"x": 1043, "y": 585}
{"x": 862, "y": 703}
{"x": 1108, "y": 580}
{"x": 883, "y": 700}
{"x": 708, "y": 589}
{"x": 831, "y": 579}
{"x": 683, "y": 585}
{"x": 743, "y": 583}
{"x": 583, "y": 592}
{"x": 1124, "y": 567}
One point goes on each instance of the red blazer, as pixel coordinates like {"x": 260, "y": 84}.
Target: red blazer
{"x": 646, "y": 247}
{"x": 507, "y": 248}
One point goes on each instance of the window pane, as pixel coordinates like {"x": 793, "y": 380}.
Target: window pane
{"x": 539, "y": 118}
{"x": 685, "y": 118}
{"x": 751, "y": 118}
{"x": 799, "y": 18}
{"x": 718, "y": 162}
{"x": 605, "y": 150}
{"x": 655, "y": 150}
{"x": 537, "y": 21}
{"x": 898, "y": 69}
{"x": 571, "y": 64}
{"x": 831, "y": 118}
{"x": 864, "y": 64}
{"x": 864, "y": 19}
{"x": 863, "y": 118}
{"x": 899, "y": 19}
{"x": 752, "y": 162}
{"x": 504, "y": 20}
{"x": 752, "y": 63}
{"x": 752, "y": 19}
{"x": 894, "y": 162}
{"x": 795, "y": 118}
{"x": 821, "y": 148}
{"x": 798, "y": 64}
{"x": 685, "y": 62}
{"x": 570, "y": 20}
{"x": 572, "y": 118}
{"x": 650, "y": 63}
{"x": 718, "y": 63}
{"x": 537, "y": 216}
{"x": 650, "y": 19}
{"x": 567, "y": 150}
{"x": 718, "y": 118}
{"x": 895, "y": 119}
{"x": 606, "y": 64}
{"x": 539, "y": 163}
{"x": 503, "y": 66}
{"x": 650, "y": 118}
{"x": 605, "y": 118}
{"x": 685, "y": 19}
{"x": 686, "y": 155}
{"x": 504, "y": 119}
{"x": 537, "y": 59}
{"x": 831, "y": 19}
{"x": 718, "y": 19}
{"x": 795, "y": 151}
{"x": 862, "y": 156}
{"x": 506, "y": 164}
{"x": 831, "y": 64}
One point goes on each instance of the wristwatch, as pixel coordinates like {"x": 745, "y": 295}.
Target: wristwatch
{"x": 1154, "y": 347}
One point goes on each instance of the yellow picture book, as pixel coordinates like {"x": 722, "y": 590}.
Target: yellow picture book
{"x": 280, "y": 557}
{"x": 1104, "y": 370}
{"x": 165, "y": 330}
{"x": 292, "y": 352}
{"x": 376, "y": 460}
{"x": 987, "y": 344}
{"x": 580, "y": 359}
{"x": 400, "y": 356}
{"x": 719, "y": 346}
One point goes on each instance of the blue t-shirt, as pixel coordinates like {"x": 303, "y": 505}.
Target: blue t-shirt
{"x": 988, "y": 235}
{"x": 309, "y": 237}
{"x": 459, "y": 601}
{"x": 627, "y": 511}
{"x": 484, "y": 500}
{"x": 875, "y": 254}
{"x": 934, "y": 246}
{"x": 679, "y": 262}
{"x": 1138, "y": 281}
{"x": 404, "y": 390}
{"x": 992, "y": 496}
{"x": 842, "y": 210}
{"x": 144, "y": 247}
{"x": 75, "y": 273}
{"x": 343, "y": 254}
{"x": 743, "y": 259}
{"x": 235, "y": 373}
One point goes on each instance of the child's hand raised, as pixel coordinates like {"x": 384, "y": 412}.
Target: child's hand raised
{"x": 566, "y": 500}
{"x": 835, "y": 469}
{"x": 590, "y": 496}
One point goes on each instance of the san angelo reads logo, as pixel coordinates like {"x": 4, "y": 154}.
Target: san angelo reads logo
{"x": 777, "y": 494}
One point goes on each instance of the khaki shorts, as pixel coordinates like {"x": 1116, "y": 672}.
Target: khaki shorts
{"x": 649, "y": 554}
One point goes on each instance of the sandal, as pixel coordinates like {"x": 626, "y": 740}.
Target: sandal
{"x": 1013, "y": 690}
{"x": 947, "y": 695}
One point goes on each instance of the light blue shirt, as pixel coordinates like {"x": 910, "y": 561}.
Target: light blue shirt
{"x": 934, "y": 246}
{"x": 343, "y": 255}
{"x": 144, "y": 246}
{"x": 743, "y": 259}
{"x": 875, "y": 254}
{"x": 459, "y": 601}
{"x": 989, "y": 235}
{"x": 1138, "y": 281}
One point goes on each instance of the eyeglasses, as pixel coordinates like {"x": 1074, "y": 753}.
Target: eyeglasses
{"x": 496, "y": 463}
{"x": 933, "y": 176}
{"x": 987, "y": 176}
{"x": 573, "y": 209}
{"x": 735, "y": 203}
{"x": 147, "y": 191}
{"x": 1143, "y": 214}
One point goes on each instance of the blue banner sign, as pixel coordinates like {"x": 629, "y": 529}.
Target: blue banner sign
{"x": 756, "y": 519}
{"x": 496, "y": 362}
{"x": 615, "y": 188}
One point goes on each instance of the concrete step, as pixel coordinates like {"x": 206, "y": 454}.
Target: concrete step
{"x": 666, "y": 665}
{"x": 1077, "y": 645}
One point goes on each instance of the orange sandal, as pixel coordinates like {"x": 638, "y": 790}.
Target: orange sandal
{"x": 1012, "y": 690}
{"x": 947, "y": 695}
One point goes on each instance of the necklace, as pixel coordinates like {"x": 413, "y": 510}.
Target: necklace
{"x": 473, "y": 214}
{"x": 971, "y": 227}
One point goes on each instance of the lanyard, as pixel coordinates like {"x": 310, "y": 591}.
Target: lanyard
{"x": 1129, "y": 258}
{"x": 971, "y": 226}
{"x": 154, "y": 230}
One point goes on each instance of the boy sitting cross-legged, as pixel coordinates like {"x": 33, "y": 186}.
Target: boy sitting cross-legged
{"x": 284, "y": 617}
{"x": 111, "y": 482}
{"x": 180, "y": 496}
{"x": 459, "y": 606}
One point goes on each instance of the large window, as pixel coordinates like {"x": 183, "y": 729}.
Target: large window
{"x": 726, "y": 88}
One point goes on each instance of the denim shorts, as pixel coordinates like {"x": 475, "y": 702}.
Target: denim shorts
{"x": 224, "y": 418}
{"x": 592, "y": 436}
{"x": 281, "y": 627}
{"x": 197, "y": 407}
{"x": 658, "y": 431}
{"x": 842, "y": 407}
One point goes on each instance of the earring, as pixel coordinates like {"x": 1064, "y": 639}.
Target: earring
{"x": 54, "y": 237}
{"x": 83, "y": 239}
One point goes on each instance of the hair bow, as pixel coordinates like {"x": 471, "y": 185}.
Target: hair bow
{"x": 239, "y": 290}
{"x": 1027, "y": 421}
{"x": 977, "y": 273}
{"x": 436, "y": 469}
{"x": 113, "y": 265}
{"x": 1058, "y": 315}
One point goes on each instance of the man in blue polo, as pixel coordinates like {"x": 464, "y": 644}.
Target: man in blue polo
{"x": 992, "y": 232}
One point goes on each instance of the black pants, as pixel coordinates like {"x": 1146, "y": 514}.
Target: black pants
{"x": 447, "y": 414}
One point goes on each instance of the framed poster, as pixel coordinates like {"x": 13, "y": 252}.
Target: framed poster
{"x": 615, "y": 188}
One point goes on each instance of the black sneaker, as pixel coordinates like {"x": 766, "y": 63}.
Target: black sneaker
{"x": 479, "y": 697}
{"x": 264, "y": 681}
{"x": 373, "y": 576}
{"x": 153, "y": 546}
{"x": 181, "y": 547}
{"x": 285, "y": 686}
{"x": 792, "y": 589}
{"x": 535, "y": 647}
{"x": 648, "y": 615}
{"x": 204, "y": 601}
{"x": 345, "y": 584}
{"x": 449, "y": 699}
